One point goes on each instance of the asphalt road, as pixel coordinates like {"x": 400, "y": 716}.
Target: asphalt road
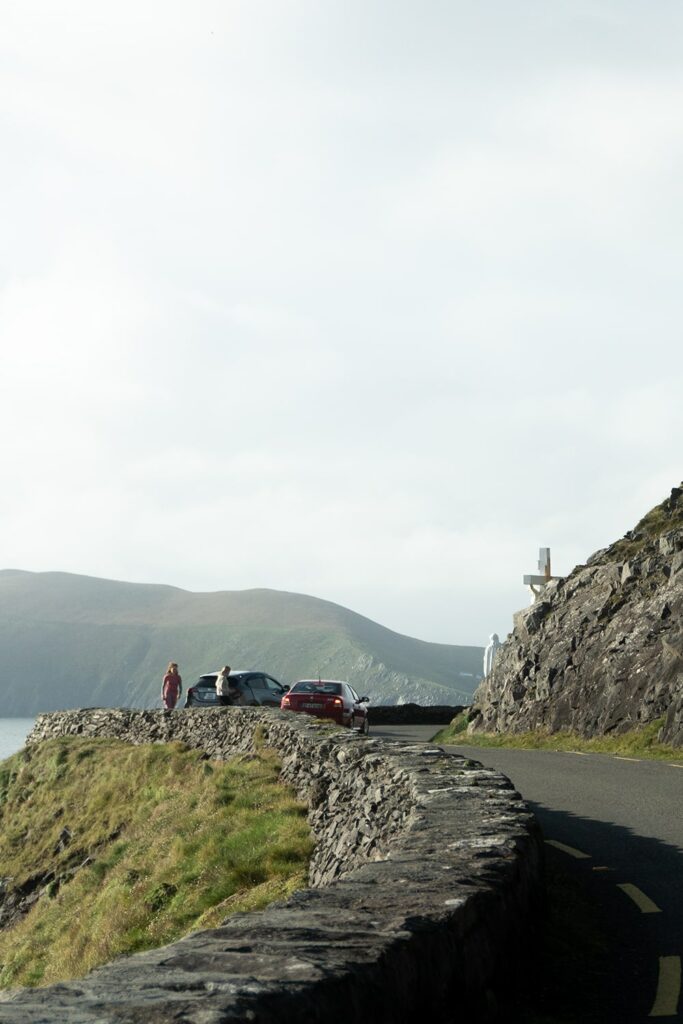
{"x": 615, "y": 824}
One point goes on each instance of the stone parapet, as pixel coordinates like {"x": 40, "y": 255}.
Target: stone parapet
{"x": 413, "y": 714}
{"x": 424, "y": 879}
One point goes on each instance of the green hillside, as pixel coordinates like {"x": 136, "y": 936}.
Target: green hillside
{"x": 113, "y": 866}
{"x": 77, "y": 641}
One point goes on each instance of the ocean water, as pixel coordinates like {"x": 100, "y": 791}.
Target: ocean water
{"x": 13, "y": 733}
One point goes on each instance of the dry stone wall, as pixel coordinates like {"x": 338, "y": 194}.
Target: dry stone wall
{"x": 423, "y": 884}
{"x": 413, "y": 714}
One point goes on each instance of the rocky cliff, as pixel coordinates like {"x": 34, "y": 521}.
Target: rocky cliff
{"x": 601, "y": 650}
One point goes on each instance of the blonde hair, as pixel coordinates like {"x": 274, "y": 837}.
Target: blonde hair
{"x": 172, "y": 667}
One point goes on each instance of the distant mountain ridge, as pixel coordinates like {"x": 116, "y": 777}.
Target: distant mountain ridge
{"x": 78, "y": 641}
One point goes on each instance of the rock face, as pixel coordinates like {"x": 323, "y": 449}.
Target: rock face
{"x": 600, "y": 651}
{"x": 422, "y": 887}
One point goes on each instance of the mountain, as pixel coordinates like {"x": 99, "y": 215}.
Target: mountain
{"x": 600, "y": 651}
{"x": 77, "y": 641}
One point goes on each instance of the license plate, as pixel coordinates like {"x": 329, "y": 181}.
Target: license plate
{"x": 316, "y": 706}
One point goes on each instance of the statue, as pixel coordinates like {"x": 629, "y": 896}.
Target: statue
{"x": 490, "y": 653}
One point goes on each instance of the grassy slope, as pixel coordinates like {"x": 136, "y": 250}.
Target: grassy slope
{"x": 175, "y": 843}
{"x": 635, "y": 743}
{"x": 659, "y": 520}
{"x": 76, "y": 641}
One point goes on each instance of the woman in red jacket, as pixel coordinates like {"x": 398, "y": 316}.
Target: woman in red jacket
{"x": 172, "y": 686}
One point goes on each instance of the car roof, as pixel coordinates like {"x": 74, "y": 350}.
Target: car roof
{"x": 233, "y": 672}
{"x": 322, "y": 682}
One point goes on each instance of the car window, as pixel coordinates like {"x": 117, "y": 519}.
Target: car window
{"x": 354, "y": 694}
{"x": 316, "y": 687}
{"x": 257, "y": 682}
{"x": 273, "y": 685}
{"x": 206, "y": 681}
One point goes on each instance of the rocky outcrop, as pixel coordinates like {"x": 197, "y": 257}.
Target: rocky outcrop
{"x": 15, "y": 903}
{"x": 600, "y": 651}
{"x": 423, "y": 882}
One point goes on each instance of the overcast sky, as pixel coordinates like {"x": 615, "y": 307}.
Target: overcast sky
{"x": 366, "y": 299}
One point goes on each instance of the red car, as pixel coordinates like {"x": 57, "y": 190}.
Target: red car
{"x": 329, "y": 698}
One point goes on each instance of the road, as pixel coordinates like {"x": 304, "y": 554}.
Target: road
{"x": 615, "y": 824}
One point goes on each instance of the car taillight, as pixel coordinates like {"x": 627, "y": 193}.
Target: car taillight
{"x": 337, "y": 700}
{"x": 190, "y": 691}
{"x": 284, "y": 702}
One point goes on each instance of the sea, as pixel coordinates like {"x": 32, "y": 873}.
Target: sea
{"x": 13, "y": 733}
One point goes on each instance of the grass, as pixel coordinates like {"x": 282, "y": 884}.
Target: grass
{"x": 635, "y": 743}
{"x": 659, "y": 520}
{"x": 160, "y": 842}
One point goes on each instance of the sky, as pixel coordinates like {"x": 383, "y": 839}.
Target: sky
{"x": 364, "y": 299}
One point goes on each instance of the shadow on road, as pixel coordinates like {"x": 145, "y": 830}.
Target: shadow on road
{"x": 597, "y": 955}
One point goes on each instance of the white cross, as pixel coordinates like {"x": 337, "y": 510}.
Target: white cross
{"x": 544, "y": 567}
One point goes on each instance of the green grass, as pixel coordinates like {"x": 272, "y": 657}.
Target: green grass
{"x": 635, "y": 743}
{"x": 162, "y": 842}
{"x": 659, "y": 520}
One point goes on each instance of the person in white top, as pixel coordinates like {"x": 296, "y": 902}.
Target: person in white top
{"x": 223, "y": 687}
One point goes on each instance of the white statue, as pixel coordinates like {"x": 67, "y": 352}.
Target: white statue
{"x": 490, "y": 653}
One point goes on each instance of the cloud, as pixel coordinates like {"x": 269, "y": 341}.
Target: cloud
{"x": 337, "y": 298}
{"x": 586, "y": 157}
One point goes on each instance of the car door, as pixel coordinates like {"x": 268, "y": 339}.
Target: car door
{"x": 239, "y": 692}
{"x": 259, "y": 689}
{"x": 357, "y": 713}
{"x": 276, "y": 691}
{"x": 254, "y": 688}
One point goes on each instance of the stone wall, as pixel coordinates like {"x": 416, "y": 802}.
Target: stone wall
{"x": 413, "y": 714}
{"x": 422, "y": 886}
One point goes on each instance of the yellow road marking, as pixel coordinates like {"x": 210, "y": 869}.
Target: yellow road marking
{"x": 668, "y": 987}
{"x": 672, "y": 764}
{"x": 619, "y": 757}
{"x": 568, "y": 849}
{"x": 640, "y": 899}
{"x": 602, "y": 867}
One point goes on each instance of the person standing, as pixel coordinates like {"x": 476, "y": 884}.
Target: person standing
{"x": 172, "y": 686}
{"x": 224, "y": 691}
